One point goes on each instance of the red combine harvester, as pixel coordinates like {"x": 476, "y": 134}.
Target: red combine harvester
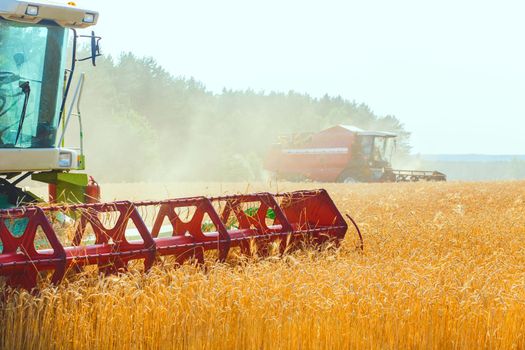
{"x": 341, "y": 153}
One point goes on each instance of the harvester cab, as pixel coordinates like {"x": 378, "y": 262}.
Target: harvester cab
{"x": 35, "y": 84}
{"x": 372, "y": 157}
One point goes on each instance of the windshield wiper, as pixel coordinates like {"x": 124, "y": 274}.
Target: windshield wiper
{"x": 26, "y": 90}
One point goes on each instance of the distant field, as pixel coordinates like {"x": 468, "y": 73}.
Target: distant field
{"x": 443, "y": 267}
{"x": 471, "y": 167}
{"x": 471, "y": 157}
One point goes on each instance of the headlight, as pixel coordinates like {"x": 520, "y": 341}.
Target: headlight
{"x": 64, "y": 160}
{"x": 32, "y": 10}
{"x": 89, "y": 18}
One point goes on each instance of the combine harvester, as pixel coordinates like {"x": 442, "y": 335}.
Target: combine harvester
{"x": 39, "y": 239}
{"x": 344, "y": 154}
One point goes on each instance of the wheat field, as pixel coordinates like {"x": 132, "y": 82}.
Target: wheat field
{"x": 443, "y": 268}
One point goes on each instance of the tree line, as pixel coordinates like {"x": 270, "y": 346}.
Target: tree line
{"x": 143, "y": 123}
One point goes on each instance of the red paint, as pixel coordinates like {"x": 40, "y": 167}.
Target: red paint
{"x": 52, "y": 189}
{"x": 317, "y": 167}
{"x": 92, "y": 193}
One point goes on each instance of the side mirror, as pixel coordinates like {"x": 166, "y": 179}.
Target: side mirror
{"x": 95, "y": 48}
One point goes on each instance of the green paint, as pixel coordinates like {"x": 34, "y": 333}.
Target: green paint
{"x": 70, "y": 187}
{"x": 81, "y": 162}
{"x": 252, "y": 212}
{"x": 270, "y": 214}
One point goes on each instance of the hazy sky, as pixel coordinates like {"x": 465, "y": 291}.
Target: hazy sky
{"x": 452, "y": 71}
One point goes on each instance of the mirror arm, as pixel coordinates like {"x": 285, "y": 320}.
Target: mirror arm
{"x": 88, "y": 58}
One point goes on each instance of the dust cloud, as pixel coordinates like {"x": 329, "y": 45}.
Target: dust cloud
{"x": 143, "y": 124}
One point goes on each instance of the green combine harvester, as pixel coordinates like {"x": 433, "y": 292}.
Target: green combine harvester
{"x": 35, "y": 84}
{"x": 38, "y": 100}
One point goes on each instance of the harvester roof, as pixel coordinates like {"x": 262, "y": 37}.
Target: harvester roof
{"x": 362, "y": 132}
{"x": 65, "y": 14}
